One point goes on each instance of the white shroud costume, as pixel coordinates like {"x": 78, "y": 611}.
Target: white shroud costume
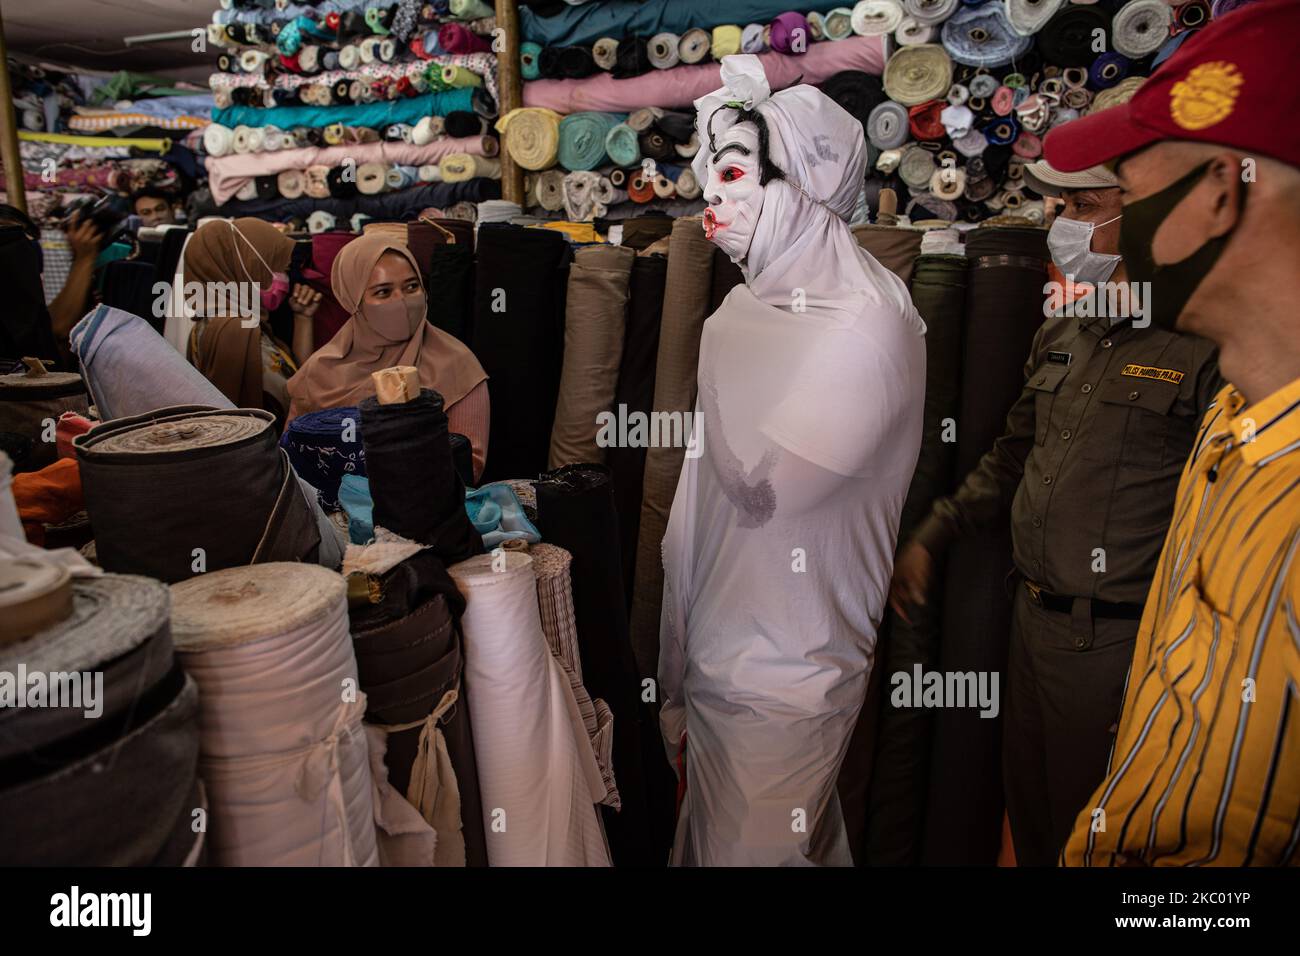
{"x": 780, "y": 544}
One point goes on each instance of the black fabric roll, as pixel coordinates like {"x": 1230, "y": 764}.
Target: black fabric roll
{"x": 548, "y": 63}
{"x": 633, "y": 58}
{"x": 413, "y": 480}
{"x": 1004, "y": 308}
{"x": 635, "y": 392}
{"x": 518, "y": 336}
{"x": 575, "y": 511}
{"x": 462, "y": 458}
{"x": 409, "y": 653}
{"x": 392, "y": 206}
{"x": 463, "y": 123}
{"x": 1067, "y": 39}
{"x": 678, "y": 127}
{"x": 901, "y": 767}
{"x": 859, "y": 93}
{"x": 268, "y": 187}
{"x": 656, "y": 145}
{"x": 162, "y": 485}
{"x": 117, "y": 804}
{"x": 726, "y": 276}
{"x": 576, "y": 62}
{"x": 450, "y": 281}
{"x": 340, "y": 188}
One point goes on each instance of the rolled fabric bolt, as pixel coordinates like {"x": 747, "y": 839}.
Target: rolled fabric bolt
{"x": 369, "y": 49}
{"x": 688, "y": 148}
{"x": 582, "y": 139}
{"x": 252, "y": 61}
{"x": 914, "y": 33}
{"x": 663, "y": 186}
{"x": 656, "y": 145}
{"x": 248, "y": 191}
{"x": 663, "y": 51}
{"x": 400, "y": 383}
{"x": 604, "y": 192}
{"x": 463, "y": 123}
{"x": 349, "y": 58}
{"x": 317, "y": 181}
{"x": 430, "y": 173}
{"x": 272, "y": 139}
{"x": 218, "y": 140}
{"x": 291, "y": 183}
{"x": 427, "y": 130}
{"x": 640, "y": 187}
{"x": 751, "y": 39}
{"x": 462, "y": 167}
{"x": 550, "y": 189}
{"x": 309, "y": 58}
{"x": 694, "y": 46}
{"x": 642, "y": 119}
{"x": 873, "y": 18}
{"x": 727, "y": 39}
{"x": 816, "y": 26}
{"x": 470, "y": 9}
{"x": 256, "y": 139}
{"x": 622, "y": 146}
{"x": 222, "y": 99}
{"x": 532, "y": 137}
{"x": 320, "y": 221}
{"x": 459, "y": 76}
{"x": 688, "y": 186}
{"x": 239, "y": 141}
{"x": 790, "y": 34}
{"x": 330, "y": 60}
{"x": 387, "y": 50}
{"x": 837, "y": 24}
{"x": 605, "y": 52}
{"x": 529, "y": 54}
{"x": 333, "y": 134}
{"x": 400, "y": 177}
{"x": 458, "y": 38}
{"x": 618, "y": 178}
{"x": 371, "y": 178}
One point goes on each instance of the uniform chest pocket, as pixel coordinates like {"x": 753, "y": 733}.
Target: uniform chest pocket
{"x": 1045, "y": 383}
{"x": 1131, "y": 423}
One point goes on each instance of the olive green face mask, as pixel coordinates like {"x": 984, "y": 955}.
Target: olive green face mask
{"x": 1172, "y": 284}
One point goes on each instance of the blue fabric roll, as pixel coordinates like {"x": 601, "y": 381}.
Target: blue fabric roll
{"x": 587, "y": 23}
{"x": 410, "y": 110}
{"x": 498, "y": 515}
{"x": 324, "y": 447}
{"x": 354, "y": 496}
{"x": 529, "y": 54}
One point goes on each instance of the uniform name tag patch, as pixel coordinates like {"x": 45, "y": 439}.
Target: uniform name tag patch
{"x": 1149, "y": 371}
{"x": 1059, "y": 358}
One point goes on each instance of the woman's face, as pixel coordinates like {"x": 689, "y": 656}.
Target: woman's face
{"x": 732, "y": 191}
{"x": 391, "y": 279}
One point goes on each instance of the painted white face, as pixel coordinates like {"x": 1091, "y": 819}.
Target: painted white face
{"x": 732, "y": 191}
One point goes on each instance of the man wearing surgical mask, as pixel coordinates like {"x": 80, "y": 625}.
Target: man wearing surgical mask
{"x": 1085, "y": 474}
{"x": 1206, "y": 764}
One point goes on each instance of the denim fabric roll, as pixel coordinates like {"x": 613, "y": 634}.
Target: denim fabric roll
{"x": 575, "y": 511}
{"x": 162, "y": 465}
{"x": 413, "y": 480}
{"x": 897, "y": 794}
{"x": 520, "y": 346}
{"x": 324, "y": 446}
{"x": 1004, "y": 308}
{"x": 410, "y": 654}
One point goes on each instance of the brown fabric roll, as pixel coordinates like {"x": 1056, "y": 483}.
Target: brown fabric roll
{"x": 643, "y": 231}
{"x": 595, "y": 320}
{"x": 896, "y": 247}
{"x": 26, "y": 402}
{"x": 687, "y": 300}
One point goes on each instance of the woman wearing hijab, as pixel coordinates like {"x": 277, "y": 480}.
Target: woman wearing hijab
{"x": 241, "y": 268}
{"x": 378, "y": 282}
{"x": 780, "y": 543}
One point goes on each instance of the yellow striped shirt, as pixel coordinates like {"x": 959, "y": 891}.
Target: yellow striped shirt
{"x": 1206, "y": 764}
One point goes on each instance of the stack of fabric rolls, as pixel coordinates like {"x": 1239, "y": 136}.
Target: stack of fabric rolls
{"x": 352, "y": 107}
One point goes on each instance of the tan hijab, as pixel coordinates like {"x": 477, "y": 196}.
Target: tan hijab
{"x": 338, "y": 374}
{"x": 228, "y": 354}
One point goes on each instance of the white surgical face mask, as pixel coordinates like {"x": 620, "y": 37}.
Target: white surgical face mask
{"x": 1070, "y": 242}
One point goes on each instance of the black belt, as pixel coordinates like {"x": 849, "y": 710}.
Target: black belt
{"x": 1064, "y": 604}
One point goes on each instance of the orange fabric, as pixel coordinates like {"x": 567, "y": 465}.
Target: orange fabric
{"x": 49, "y": 496}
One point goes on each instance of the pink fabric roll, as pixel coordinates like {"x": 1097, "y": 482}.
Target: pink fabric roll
{"x": 68, "y": 427}
{"x": 785, "y": 31}
{"x": 681, "y": 86}
{"x": 228, "y": 174}
{"x": 458, "y": 38}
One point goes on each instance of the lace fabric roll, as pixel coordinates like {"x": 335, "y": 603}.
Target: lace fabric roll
{"x": 413, "y": 480}
{"x": 537, "y": 771}
{"x": 156, "y": 509}
{"x": 283, "y": 751}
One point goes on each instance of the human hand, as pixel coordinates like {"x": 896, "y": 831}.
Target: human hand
{"x": 913, "y": 574}
{"x": 84, "y": 237}
{"x": 304, "y": 301}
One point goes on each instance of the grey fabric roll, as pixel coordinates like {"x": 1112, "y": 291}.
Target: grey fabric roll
{"x": 26, "y": 403}
{"x": 183, "y": 490}
{"x": 595, "y": 321}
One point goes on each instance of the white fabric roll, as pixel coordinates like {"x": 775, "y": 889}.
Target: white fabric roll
{"x": 283, "y": 751}
{"x": 430, "y": 173}
{"x": 218, "y": 140}
{"x": 538, "y": 775}
{"x": 239, "y": 142}
{"x": 247, "y": 192}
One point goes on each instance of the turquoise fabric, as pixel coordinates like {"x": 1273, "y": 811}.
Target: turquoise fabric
{"x": 623, "y": 146}
{"x": 354, "y": 496}
{"x": 410, "y": 110}
{"x": 585, "y": 24}
{"x": 582, "y": 139}
{"x": 497, "y": 515}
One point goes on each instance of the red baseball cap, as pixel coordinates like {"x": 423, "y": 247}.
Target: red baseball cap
{"x": 1231, "y": 83}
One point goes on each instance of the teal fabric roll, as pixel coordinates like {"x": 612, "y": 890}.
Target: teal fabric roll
{"x": 528, "y": 57}
{"x": 586, "y": 23}
{"x": 623, "y": 147}
{"x": 582, "y": 139}
{"x": 410, "y": 110}
{"x": 354, "y": 496}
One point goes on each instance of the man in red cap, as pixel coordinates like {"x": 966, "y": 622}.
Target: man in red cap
{"x": 1206, "y": 764}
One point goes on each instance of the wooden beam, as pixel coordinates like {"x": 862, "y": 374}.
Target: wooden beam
{"x": 15, "y": 181}
{"x": 510, "y": 86}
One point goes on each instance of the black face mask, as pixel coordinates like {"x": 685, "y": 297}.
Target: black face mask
{"x": 1172, "y": 285}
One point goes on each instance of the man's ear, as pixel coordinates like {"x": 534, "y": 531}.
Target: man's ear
{"x": 1224, "y": 177}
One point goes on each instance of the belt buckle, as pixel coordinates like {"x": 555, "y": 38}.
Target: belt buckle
{"x": 1035, "y": 592}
